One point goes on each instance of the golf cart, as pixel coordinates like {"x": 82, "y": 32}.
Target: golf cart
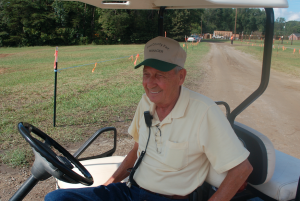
{"x": 275, "y": 174}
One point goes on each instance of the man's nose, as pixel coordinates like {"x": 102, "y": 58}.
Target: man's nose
{"x": 151, "y": 82}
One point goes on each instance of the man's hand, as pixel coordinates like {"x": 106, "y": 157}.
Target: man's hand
{"x": 232, "y": 182}
{"x": 121, "y": 173}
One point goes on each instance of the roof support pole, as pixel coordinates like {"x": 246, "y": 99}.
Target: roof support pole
{"x": 266, "y": 66}
{"x": 161, "y": 21}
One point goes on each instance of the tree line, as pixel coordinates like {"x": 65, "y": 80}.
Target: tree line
{"x": 54, "y": 22}
{"x": 283, "y": 28}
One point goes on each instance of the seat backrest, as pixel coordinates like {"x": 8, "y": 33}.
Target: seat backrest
{"x": 262, "y": 153}
{"x": 262, "y": 157}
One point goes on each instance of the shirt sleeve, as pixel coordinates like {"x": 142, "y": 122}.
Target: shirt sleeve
{"x": 133, "y": 129}
{"x": 219, "y": 142}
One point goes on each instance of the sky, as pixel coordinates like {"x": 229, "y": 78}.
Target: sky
{"x": 290, "y": 13}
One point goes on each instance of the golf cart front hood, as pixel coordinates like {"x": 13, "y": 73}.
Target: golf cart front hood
{"x": 186, "y": 4}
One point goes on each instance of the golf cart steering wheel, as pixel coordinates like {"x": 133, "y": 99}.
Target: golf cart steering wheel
{"x": 47, "y": 160}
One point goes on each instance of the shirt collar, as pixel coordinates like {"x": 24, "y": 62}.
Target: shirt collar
{"x": 177, "y": 112}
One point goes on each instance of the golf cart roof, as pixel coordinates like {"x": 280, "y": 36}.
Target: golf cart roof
{"x": 186, "y": 4}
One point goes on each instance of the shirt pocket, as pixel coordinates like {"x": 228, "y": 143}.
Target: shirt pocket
{"x": 176, "y": 155}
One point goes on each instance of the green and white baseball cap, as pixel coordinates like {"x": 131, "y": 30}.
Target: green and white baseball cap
{"x": 163, "y": 54}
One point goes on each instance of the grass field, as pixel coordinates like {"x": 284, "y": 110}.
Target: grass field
{"x": 284, "y": 59}
{"x": 86, "y": 101}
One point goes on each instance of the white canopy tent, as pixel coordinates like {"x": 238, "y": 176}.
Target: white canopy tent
{"x": 186, "y": 4}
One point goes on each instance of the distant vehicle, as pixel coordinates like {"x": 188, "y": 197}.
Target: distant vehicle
{"x": 218, "y": 37}
{"x": 193, "y": 38}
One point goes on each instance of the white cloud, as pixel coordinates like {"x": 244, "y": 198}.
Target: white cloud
{"x": 288, "y": 15}
{"x": 295, "y": 16}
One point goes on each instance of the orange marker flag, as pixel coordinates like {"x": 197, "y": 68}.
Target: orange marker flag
{"x": 94, "y": 67}
{"x": 283, "y": 48}
{"x": 56, "y": 55}
{"x": 131, "y": 57}
{"x": 299, "y": 51}
{"x": 294, "y": 50}
{"x": 184, "y": 45}
{"x": 137, "y": 56}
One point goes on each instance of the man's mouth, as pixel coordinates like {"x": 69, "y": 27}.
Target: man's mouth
{"x": 154, "y": 92}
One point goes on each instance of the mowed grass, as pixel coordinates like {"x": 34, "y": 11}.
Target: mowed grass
{"x": 86, "y": 101}
{"x": 284, "y": 59}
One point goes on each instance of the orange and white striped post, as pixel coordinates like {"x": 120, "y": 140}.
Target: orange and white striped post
{"x": 136, "y": 57}
{"x": 94, "y": 67}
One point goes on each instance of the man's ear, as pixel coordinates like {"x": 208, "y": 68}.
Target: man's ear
{"x": 182, "y": 74}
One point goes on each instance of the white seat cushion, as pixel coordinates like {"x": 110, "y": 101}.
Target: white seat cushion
{"x": 284, "y": 182}
{"x": 101, "y": 169}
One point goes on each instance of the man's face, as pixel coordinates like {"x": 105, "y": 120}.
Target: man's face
{"x": 162, "y": 88}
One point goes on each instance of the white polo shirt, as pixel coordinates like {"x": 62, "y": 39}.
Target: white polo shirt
{"x": 194, "y": 135}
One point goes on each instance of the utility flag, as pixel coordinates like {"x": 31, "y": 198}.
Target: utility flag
{"x": 136, "y": 57}
{"x": 131, "y": 58}
{"x": 94, "y": 67}
{"x": 294, "y": 50}
{"x": 55, "y": 60}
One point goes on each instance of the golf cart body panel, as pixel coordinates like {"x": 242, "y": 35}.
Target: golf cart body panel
{"x": 100, "y": 168}
{"x": 188, "y": 4}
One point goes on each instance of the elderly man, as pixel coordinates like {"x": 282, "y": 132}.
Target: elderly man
{"x": 188, "y": 133}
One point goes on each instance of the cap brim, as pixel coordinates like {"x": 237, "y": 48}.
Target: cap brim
{"x": 157, "y": 64}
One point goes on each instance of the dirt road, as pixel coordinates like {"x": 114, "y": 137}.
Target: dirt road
{"x": 232, "y": 75}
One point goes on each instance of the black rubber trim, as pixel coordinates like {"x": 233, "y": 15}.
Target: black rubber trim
{"x": 92, "y": 139}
